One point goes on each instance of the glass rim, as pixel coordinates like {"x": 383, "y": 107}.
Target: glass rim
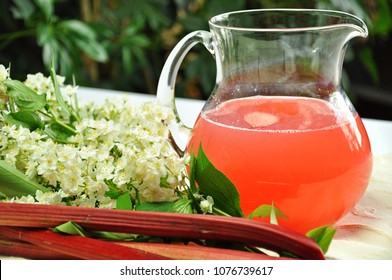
{"x": 217, "y": 20}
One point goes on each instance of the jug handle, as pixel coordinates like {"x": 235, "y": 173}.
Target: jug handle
{"x": 166, "y": 85}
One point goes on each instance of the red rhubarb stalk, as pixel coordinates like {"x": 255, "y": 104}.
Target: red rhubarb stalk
{"x": 77, "y": 246}
{"x": 16, "y": 248}
{"x": 196, "y": 252}
{"x": 192, "y": 226}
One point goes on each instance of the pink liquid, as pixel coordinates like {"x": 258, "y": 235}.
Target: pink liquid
{"x": 290, "y": 151}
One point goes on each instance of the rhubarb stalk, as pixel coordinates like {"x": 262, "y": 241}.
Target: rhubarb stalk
{"x": 191, "y": 226}
{"x": 16, "y": 248}
{"x": 77, "y": 246}
{"x": 197, "y": 252}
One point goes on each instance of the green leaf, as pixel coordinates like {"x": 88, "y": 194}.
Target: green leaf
{"x": 83, "y": 36}
{"x": 214, "y": 183}
{"x": 155, "y": 206}
{"x": 136, "y": 41}
{"x": 64, "y": 57}
{"x": 323, "y": 236}
{"x": 113, "y": 191}
{"x": 77, "y": 28}
{"x": 27, "y": 119}
{"x": 124, "y": 202}
{"x": 92, "y": 48}
{"x": 273, "y": 219}
{"x": 50, "y": 53}
{"x": 192, "y": 180}
{"x": 179, "y": 206}
{"x": 127, "y": 59}
{"x": 58, "y": 132}
{"x": 182, "y": 206}
{"x": 46, "y": 7}
{"x": 46, "y": 34}
{"x": 113, "y": 194}
{"x": 383, "y": 20}
{"x": 221, "y": 6}
{"x": 24, "y": 97}
{"x": 266, "y": 210}
{"x": 70, "y": 228}
{"x": 58, "y": 94}
{"x": 114, "y": 236}
{"x": 14, "y": 183}
{"x": 23, "y": 9}
{"x": 192, "y": 22}
{"x": 367, "y": 59}
{"x": 115, "y": 152}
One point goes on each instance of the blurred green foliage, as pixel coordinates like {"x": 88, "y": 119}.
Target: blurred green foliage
{"x": 123, "y": 44}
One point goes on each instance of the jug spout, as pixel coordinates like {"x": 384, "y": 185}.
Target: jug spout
{"x": 355, "y": 27}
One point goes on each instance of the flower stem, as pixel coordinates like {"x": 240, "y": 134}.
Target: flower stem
{"x": 73, "y": 131}
{"x": 220, "y": 212}
{"x": 59, "y": 122}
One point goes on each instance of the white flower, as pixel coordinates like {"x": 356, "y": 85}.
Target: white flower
{"x": 87, "y": 152}
{"x": 68, "y": 156}
{"x": 53, "y": 198}
{"x": 24, "y": 199}
{"x": 4, "y": 73}
{"x": 47, "y": 163}
{"x": 95, "y": 188}
{"x": 104, "y": 170}
{"x": 70, "y": 90}
{"x": 206, "y": 205}
{"x": 84, "y": 201}
{"x": 157, "y": 194}
{"x": 51, "y": 177}
{"x": 39, "y": 83}
{"x": 43, "y": 85}
{"x": 3, "y": 141}
{"x": 71, "y": 181}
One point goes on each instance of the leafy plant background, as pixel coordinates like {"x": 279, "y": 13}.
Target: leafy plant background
{"x": 123, "y": 44}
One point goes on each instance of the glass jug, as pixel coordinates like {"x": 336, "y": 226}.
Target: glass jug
{"x": 278, "y": 123}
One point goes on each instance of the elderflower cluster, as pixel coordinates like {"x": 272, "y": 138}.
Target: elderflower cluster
{"x": 41, "y": 84}
{"x": 117, "y": 146}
